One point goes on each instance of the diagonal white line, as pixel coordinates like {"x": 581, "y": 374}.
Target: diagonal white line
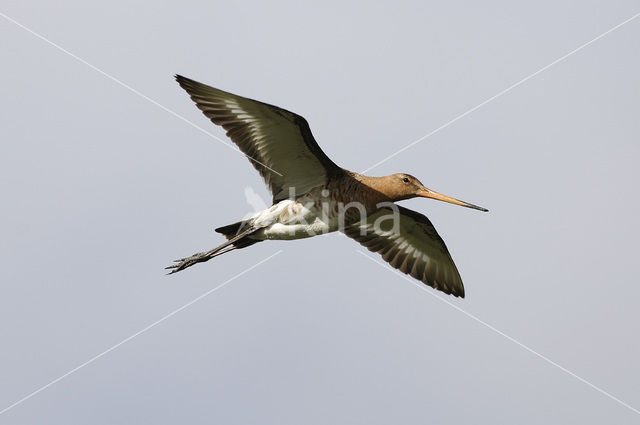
{"x": 508, "y": 89}
{"x": 141, "y": 331}
{"x": 131, "y": 89}
{"x": 499, "y": 332}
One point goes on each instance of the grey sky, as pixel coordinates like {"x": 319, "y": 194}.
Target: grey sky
{"x": 102, "y": 189}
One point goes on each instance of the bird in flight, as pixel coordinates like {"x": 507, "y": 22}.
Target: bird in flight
{"x": 312, "y": 195}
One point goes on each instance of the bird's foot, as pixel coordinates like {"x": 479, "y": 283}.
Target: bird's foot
{"x": 183, "y": 263}
{"x": 200, "y": 257}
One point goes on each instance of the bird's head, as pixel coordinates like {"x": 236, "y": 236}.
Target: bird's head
{"x": 404, "y": 186}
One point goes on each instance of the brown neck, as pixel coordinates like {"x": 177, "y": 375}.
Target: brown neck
{"x": 371, "y": 189}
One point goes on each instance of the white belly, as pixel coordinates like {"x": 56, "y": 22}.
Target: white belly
{"x": 297, "y": 219}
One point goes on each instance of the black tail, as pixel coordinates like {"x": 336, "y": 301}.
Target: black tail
{"x": 232, "y": 230}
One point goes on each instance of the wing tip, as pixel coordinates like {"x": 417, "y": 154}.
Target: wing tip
{"x": 187, "y": 83}
{"x": 182, "y": 80}
{"x": 454, "y": 290}
{"x": 459, "y": 293}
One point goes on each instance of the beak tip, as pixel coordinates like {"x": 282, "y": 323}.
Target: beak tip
{"x": 428, "y": 193}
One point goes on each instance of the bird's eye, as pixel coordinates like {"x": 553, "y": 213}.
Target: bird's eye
{"x": 406, "y": 180}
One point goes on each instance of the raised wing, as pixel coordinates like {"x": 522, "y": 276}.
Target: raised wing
{"x": 278, "y": 143}
{"x": 410, "y": 244}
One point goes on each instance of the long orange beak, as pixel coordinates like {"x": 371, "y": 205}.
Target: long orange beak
{"x": 428, "y": 193}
